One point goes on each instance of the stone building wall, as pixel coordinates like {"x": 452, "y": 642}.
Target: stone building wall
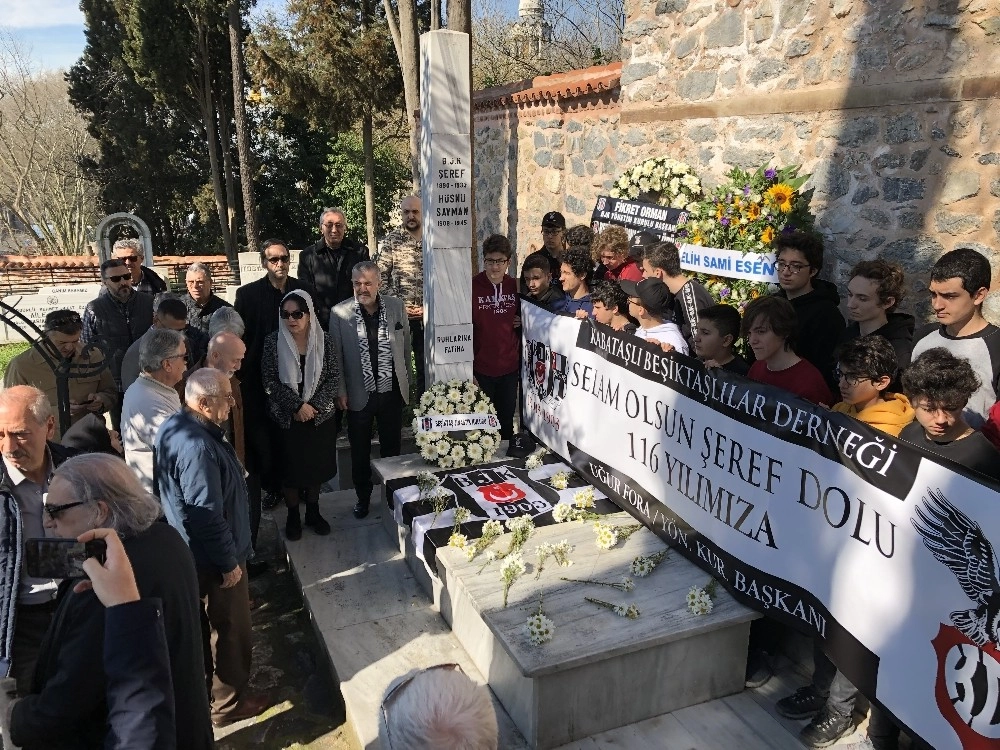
{"x": 892, "y": 105}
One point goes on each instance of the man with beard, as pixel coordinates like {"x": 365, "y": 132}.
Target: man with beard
{"x": 401, "y": 260}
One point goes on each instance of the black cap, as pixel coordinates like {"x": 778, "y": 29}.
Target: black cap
{"x": 640, "y": 242}
{"x": 520, "y": 445}
{"x": 653, "y": 293}
{"x": 553, "y": 220}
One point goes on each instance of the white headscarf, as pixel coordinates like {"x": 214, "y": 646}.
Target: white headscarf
{"x": 289, "y": 369}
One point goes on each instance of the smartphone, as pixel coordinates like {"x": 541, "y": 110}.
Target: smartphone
{"x": 61, "y": 558}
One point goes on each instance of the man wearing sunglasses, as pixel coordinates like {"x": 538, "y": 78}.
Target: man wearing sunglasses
{"x": 27, "y": 426}
{"x": 258, "y": 303}
{"x": 115, "y": 320}
{"x": 93, "y": 393}
{"x": 143, "y": 279}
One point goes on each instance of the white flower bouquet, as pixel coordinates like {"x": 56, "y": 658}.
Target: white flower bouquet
{"x": 452, "y": 450}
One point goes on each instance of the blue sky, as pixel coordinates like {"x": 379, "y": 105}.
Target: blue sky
{"x": 51, "y": 29}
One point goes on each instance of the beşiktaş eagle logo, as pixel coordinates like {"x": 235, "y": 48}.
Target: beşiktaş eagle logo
{"x": 968, "y": 674}
{"x": 548, "y": 371}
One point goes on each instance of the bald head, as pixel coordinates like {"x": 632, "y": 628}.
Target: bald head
{"x": 225, "y": 353}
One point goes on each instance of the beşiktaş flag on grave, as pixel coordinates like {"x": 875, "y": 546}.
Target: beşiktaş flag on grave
{"x": 880, "y": 549}
{"x": 498, "y": 491}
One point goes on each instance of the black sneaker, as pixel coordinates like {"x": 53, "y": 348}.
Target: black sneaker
{"x": 804, "y": 703}
{"x": 293, "y": 525}
{"x": 759, "y": 670}
{"x": 269, "y": 500}
{"x": 361, "y": 509}
{"x": 826, "y": 728}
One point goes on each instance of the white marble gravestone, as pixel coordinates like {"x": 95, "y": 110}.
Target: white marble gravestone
{"x": 446, "y": 190}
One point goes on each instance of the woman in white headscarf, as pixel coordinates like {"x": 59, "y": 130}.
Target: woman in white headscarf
{"x": 300, "y": 377}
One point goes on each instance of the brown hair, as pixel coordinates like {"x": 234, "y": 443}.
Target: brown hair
{"x": 888, "y": 277}
{"x": 614, "y": 238}
{"x": 777, "y": 312}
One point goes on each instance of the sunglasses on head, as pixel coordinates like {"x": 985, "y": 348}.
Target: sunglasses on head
{"x": 116, "y": 279}
{"x": 294, "y": 315}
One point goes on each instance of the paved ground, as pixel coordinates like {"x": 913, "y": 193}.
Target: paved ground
{"x": 288, "y": 663}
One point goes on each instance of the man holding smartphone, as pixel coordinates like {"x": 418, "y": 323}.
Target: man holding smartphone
{"x": 27, "y": 460}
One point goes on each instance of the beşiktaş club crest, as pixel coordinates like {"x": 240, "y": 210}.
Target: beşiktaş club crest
{"x": 548, "y": 371}
{"x": 501, "y": 493}
{"x": 968, "y": 673}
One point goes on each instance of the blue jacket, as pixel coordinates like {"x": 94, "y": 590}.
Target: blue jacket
{"x": 204, "y": 494}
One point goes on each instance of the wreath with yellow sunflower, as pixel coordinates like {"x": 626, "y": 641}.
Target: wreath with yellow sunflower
{"x": 746, "y": 212}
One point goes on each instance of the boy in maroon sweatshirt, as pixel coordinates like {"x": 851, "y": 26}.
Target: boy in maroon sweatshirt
{"x": 496, "y": 331}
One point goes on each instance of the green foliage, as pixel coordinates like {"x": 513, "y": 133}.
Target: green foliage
{"x": 8, "y": 352}
{"x": 345, "y": 183}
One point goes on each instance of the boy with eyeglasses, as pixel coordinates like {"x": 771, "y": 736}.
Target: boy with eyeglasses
{"x": 496, "y": 325}
{"x": 816, "y": 302}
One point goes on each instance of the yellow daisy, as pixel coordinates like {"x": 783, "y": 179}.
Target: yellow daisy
{"x": 781, "y": 195}
{"x": 753, "y": 211}
{"x": 767, "y": 236}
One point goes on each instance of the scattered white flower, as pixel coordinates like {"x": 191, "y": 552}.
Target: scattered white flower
{"x": 459, "y": 541}
{"x": 562, "y": 512}
{"x": 584, "y": 498}
{"x": 540, "y": 629}
{"x": 462, "y": 515}
{"x": 492, "y": 528}
{"x": 511, "y": 569}
{"x": 643, "y": 565}
{"x": 607, "y": 537}
{"x": 559, "y": 480}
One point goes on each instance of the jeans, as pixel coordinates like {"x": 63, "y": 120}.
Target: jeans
{"x": 828, "y": 680}
{"x": 502, "y": 391}
{"x": 387, "y": 409}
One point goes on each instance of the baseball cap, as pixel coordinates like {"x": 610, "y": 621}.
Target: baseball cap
{"x": 553, "y": 220}
{"x": 653, "y": 293}
{"x": 640, "y": 242}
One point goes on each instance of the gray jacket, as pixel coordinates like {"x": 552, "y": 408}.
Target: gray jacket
{"x": 344, "y": 332}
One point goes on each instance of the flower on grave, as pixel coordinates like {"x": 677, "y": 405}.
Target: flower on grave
{"x": 439, "y": 498}
{"x": 699, "y": 599}
{"x": 521, "y": 529}
{"x": 455, "y": 449}
{"x": 584, "y": 498}
{"x": 458, "y": 454}
{"x": 559, "y": 480}
{"x": 606, "y": 536}
{"x": 489, "y": 533}
{"x": 511, "y": 569}
{"x": 558, "y": 551}
{"x": 534, "y": 459}
{"x": 540, "y": 628}
{"x": 462, "y": 515}
{"x": 442, "y": 448}
{"x": 631, "y": 611}
{"x": 475, "y": 453}
{"x": 626, "y": 584}
{"x": 643, "y": 565}
{"x": 562, "y": 513}
{"x": 459, "y": 541}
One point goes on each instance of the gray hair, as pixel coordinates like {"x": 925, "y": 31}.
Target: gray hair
{"x": 206, "y": 381}
{"x": 30, "y": 398}
{"x": 199, "y": 268}
{"x": 226, "y": 319}
{"x": 129, "y": 244}
{"x": 364, "y": 267}
{"x": 99, "y": 476}
{"x": 333, "y": 210}
{"x": 157, "y": 345}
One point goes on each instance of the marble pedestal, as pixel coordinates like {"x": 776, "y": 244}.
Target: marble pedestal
{"x": 600, "y": 670}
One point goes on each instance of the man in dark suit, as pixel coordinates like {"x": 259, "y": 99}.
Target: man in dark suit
{"x": 372, "y": 343}
{"x": 326, "y": 266}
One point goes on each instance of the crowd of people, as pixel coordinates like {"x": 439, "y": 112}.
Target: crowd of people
{"x": 218, "y": 410}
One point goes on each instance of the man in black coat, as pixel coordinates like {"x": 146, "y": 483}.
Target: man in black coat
{"x": 258, "y": 303}
{"x": 115, "y": 320}
{"x": 326, "y": 266}
{"x": 27, "y": 463}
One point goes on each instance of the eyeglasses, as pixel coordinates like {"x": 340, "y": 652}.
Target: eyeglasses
{"x": 279, "y": 259}
{"x": 792, "y": 268}
{"x": 496, "y": 262}
{"x": 182, "y": 355}
{"x": 334, "y": 225}
{"x": 296, "y": 315}
{"x": 402, "y": 684}
{"x": 130, "y": 259}
{"x": 55, "y": 510}
{"x": 228, "y": 396}
{"x": 851, "y": 378}
{"x": 116, "y": 279}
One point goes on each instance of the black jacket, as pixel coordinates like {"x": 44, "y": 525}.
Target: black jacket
{"x": 820, "y": 328}
{"x": 898, "y": 331}
{"x": 67, "y": 707}
{"x": 329, "y": 273}
{"x": 12, "y": 554}
{"x": 114, "y": 326}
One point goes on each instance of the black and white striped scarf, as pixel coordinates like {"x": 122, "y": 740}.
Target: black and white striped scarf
{"x": 384, "y": 384}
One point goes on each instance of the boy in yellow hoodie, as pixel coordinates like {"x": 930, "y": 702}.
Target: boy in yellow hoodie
{"x": 865, "y": 368}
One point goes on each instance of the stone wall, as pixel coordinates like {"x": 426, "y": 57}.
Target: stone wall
{"x": 892, "y": 105}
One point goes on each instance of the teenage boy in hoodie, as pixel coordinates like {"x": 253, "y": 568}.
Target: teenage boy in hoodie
{"x": 821, "y": 326}
{"x": 538, "y": 282}
{"x": 649, "y": 303}
{"x": 874, "y": 291}
{"x": 496, "y": 326}
{"x": 960, "y": 281}
{"x": 574, "y": 272}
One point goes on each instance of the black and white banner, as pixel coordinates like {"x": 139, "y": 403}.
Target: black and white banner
{"x": 638, "y": 216}
{"x": 880, "y": 549}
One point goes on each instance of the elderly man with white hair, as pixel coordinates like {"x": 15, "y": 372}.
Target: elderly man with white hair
{"x": 200, "y": 300}
{"x": 204, "y": 497}
{"x": 151, "y": 399}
